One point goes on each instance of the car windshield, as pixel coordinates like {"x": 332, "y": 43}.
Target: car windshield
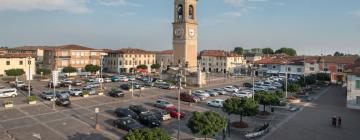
{"x": 129, "y": 121}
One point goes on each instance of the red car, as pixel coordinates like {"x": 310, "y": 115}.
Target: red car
{"x": 174, "y": 112}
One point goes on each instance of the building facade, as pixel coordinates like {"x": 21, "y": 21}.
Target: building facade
{"x": 34, "y": 51}
{"x": 220, "y": 61}
{"x": 353, "y": 86}
{"x": 165, "y": 58}
{"x": 123, "y": 60}
{"x": 72, "y": 55}
{"x": 185, "y": 33}
{"x": 17, "y": 61}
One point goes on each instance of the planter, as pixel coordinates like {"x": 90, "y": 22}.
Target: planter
{"x": 9, "y": 105}
{"x": 294, "y": 101}
{"x": 86, "y": 95}
{"x": 101, "y": 93}
{"x": 32, "y": 102}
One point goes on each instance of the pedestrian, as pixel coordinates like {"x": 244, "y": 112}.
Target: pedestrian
{"x": 333, "y": 121}
{"x": 339, "y": 121}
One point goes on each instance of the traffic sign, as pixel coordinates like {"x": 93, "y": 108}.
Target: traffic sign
{"x": 55, "y": 75}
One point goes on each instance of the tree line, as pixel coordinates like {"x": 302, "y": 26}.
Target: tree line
{"x": 288, "y": 51}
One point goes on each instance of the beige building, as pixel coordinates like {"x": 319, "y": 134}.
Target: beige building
{"x": 165, "y": 58}
{"x": 122, "y": 60}
{"x": 35, "y": 51}
{"x": 16, "y": 61}
{"x": 221, "y": 61}
{"x": 72, "y": 55}
{"x": 185, "y": 33}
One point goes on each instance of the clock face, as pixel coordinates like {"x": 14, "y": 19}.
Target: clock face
{"x": 178, "y": 31}
{"x": 191, "y": 32}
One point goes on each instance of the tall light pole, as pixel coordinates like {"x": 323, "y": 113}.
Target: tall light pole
{"x": 179, "y": 92}
{"x": 132, "y": 73}
{"x": 286, "y": 79}
{"x": 304, "y": 73}
{"x": 253, "y": 82}
{"x": 29, "y": 76}
{"x": 101, "y": 69}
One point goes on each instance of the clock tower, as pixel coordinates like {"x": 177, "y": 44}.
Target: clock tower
{"x": 185, "y": 33}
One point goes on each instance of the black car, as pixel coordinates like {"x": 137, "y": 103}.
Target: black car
{"x": 138, "y": 109}
{"x": 127, "y": 124}
{"x": 161, "y": 114}
{"x": 26, "y": 88}
{"x": 65, "y": 84}
{"x": 63, "y": 102}
{"x": 125, "y": 112}
{"x": 116, "y": 93}
{"x": 248, "y": 85}
{"x": 76, "y": 83}
{"x": 149, "y": 119}
{"x": 125, "y": 86}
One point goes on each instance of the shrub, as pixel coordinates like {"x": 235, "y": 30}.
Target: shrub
{"x": 8, "y": 102}
{"x": 31, "y": 98}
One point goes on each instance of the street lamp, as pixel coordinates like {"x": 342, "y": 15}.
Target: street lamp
{"x": 133, "y": 73}
{"x": 179, "y": 92}
{"x": 101, "y": 68}
{"x": 29, "y": 75}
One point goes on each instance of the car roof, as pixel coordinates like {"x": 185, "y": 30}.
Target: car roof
{"x": 218, "y": 100}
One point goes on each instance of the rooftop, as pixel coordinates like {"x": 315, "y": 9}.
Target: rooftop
{"x": 218, "y": 53}
{"x": 166, "y": 52}
{"x": 15, "y": 56}
{"x": 132, "y": 51}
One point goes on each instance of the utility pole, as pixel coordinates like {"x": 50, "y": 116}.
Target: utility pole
{"x": 179, "y": 92}
{"x": 286, "y": 80}
{"x": 29, "y": 77}
{"x": 304, "y": 73}
{"x": 132, "y": 82}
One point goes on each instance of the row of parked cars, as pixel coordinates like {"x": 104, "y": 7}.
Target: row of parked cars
{"x": 138, "y": 116}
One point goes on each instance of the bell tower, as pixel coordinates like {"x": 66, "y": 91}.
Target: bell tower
{"x": 185, "y": 33}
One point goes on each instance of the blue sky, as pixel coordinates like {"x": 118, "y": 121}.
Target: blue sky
{"x": 310, "y": 26}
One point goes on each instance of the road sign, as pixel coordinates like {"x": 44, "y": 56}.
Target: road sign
{"x": 29, "y": 75}
{"x": 55, "y": 75}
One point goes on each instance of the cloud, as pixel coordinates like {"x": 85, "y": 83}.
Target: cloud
{"x": 233, "y": 14}
{"x": 355, "y": 13}
{"x": 116, "y": 3}
{"x": 236, "y": 2}
{"x": 73, "y": 6}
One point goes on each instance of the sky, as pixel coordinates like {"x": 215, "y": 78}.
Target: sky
{"x": 310, "y": 26}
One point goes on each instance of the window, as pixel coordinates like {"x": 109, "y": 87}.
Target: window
{"x": 326, "y": 69}
{"x": 180, "y": 11}
{"x": 298, "y": 69}
{"x": 274, "y": 67}
{"x": 191, "y": 12}
{"x": 312, "y": 69}
{"x": 120, "y": 63}
{"x": 21, "y": 62}
{"x": 339, "y": 70}
{"x": 93, "y": 53}
{"x": 64, "y": 53}
{"x": 357, "y": 85}
{"x": 288, "y": 69}
{"x": 7, "y": 62}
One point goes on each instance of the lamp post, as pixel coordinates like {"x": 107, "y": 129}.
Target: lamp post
{"x": 29, "y": 76}
{"x": 179, "y": 92}
{"x": 101, "y": 68}
{"x": 97, "y": 126}
{"x": 132, "y": 73}
{"x": 286, "y": 79}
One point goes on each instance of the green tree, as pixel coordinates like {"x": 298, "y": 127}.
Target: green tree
{"x": 206, "y": 123}
{"x": 14, "y": 72}
{"x": 142, "y": 67}
{"x": 155, "y": 66}
{"x": 309, "y": 80}
{"x": 267, "y": 98}
{"x": 267, "y": 51}
{"x": 243, "y": 107}
{"x": 92, "y": 68}
{"x": 148, "y": 134}
{"x": 239, "y": 50}
{"x": 69, "y": 69}
{"x": 44, "y": 71}
{"x": 292, "y": 87}
{"x": 339, "y": 54}
{"x": 323, "y": 76}
{"x": 288, "y": 51}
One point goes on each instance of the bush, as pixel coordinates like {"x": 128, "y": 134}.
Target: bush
{"x": 148, "y": 134}
{"x": 69, "y": 69}
{"x": 14, "y": 72}
{"x": 44, "y": 71}
{"x": 8, "y": 102}
{"x": 141, "y": 67}
{"x": 155, "y": 66}
{"x": 92, "y": 68}
{"x": 31, "y": 98}
{"x": 85, "y": 92}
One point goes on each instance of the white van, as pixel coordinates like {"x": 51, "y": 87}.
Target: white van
{"x": 11, "y": 92}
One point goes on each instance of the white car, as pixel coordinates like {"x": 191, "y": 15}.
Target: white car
{"x": 107, "y": 80}
{"x": 123, "y": 79}
{"x": 243, "y": 94}
{"x": 201, "y": 93}
{"x": 212, "y": 92}
{"x": 68, "y": 81}
{"x": 220, "y": 91}
{"x": 75, "y": 92}
{"x": 231, "y": 89}
{"x": 19, "y": 84}
{"x": 216, "y": 103}
{"x": 8, "y": 92}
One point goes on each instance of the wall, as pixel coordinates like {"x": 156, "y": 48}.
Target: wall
{"x": 352, "y": 92}
{"x": 15, "y": 64}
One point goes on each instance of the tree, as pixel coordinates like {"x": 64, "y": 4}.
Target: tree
{"x": 243, "y": 107}
{"x": 92, "y": 68}
{"x": 141, "y": 67}
{"x": 14, "y": 72}
{"x": 339, "y": 54}
{"x": 267, "y": 51}
{"x": 288, "y": 51}
{"x": 292, "y": 87}
{"x": 239, "y": 50}
{"x": 155, "y": 66}
{"x": 323, "y": 76}
{"x": 267, "y": 98}
{"x": 309, "y": 80}
{"x": 148, "y": 134}
{"x": 206, "y": 123}
{"x": 44, "y": 71}
{"x": 69, "y": 69}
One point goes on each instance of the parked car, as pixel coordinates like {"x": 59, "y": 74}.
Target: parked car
{"x": 248, "y": 85}
{"x": 220, "y": 91}
{"x": 200, "y": 93}
{"x": 93, "y": 84}
{"x": 149, "y": 83}
{"x": 125, "y": 86}
{"x": 174, "y": 113}
{"x": 123, "y": 79}
{"x": 115, "y": 79}
{"x": 50, "y": 85}
{"x": 163, "y": 104}
{"x": 149, "y": 119}
{"x": 26, "y": 88}
{"x": 243, "y": 94}
{"x": 10, "y": 92}
{"x": 131, "y": 78}
{"x": 19, "y": 84}
{"x": 107, "y": 80}
{"x": 138, "y": 109}
{"x": 161, "y": 114}
{"x": 47, "y": 95}
{"x": 62, "y": 101}
{"x": 91, "y": 91}
{"x": 216, "y": 103}
{"x": 231, "y": 89}
{"x": 62, "y": 94}
{"x": 116, "y": 93}
{"x": 125, "y": 112}
{"x": 188, "y": 97}
{"x": 76, "y": 83}
{"x": 212, "y": 92}
{"x": 75, "y": 92}
{"x": 127, "y": 124}
{"x": 167, "y": 86}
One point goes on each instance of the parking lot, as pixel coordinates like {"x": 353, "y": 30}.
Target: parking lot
{"x": 40, "y": 121}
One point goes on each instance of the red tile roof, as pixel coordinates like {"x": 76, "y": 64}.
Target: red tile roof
{"x": 166, "y": 52}
{"x": 16, "y": 56}
{"x": 32, "y": 47}
{"x": 308, "y": 59}
{"x": 218, "y": 53}
{"x": 133, "y": 51}
{"x": 72, "y": 47}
